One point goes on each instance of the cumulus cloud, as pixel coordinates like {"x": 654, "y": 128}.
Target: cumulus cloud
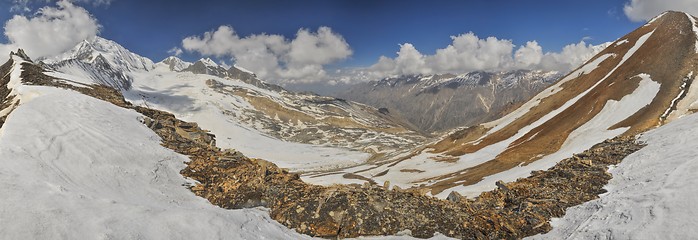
{"x": 50, "y": 31}
{"x": 570, "y": 57}
{"x": 468, "y": 52}
{"x": 529, "y": 55}
{"x": 643, "y": 10}
{"x": 274, "y": 57}
{"x": 175, "y": 51}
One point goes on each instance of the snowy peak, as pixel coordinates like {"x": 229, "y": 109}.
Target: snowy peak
{"x": 100, "y": 49}
{"x": 174, "y": 63}
{"x": 102, "y": 61}
{"x": 208, "y": 62}
{"x": 470, "y": 79}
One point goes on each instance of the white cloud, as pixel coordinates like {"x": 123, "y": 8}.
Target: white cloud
{"x": 50, "y": 31}
{"x": 528, "y": 56}
{"x": 643, "y": 10}
{"x": 274, "y": 57}
{"x": 468, "y": 52}
{"x": 571, "y": 56}
{"x": 175, "y": 51}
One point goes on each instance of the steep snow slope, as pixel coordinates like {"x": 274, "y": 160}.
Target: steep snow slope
{"x": 79, "y": 168}
{"x": 651, "y": 196}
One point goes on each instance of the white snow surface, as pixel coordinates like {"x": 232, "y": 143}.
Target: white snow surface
{"x": 651, "y": 196}
{"x": 75, "y": 167}
{"x": 621, "y": 42}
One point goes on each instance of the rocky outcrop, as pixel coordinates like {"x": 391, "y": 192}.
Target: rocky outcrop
{"x": 5, "y": 98}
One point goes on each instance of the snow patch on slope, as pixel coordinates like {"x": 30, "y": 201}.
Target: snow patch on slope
{"x": 651, "y": 196}
{"x": 690, "y": 101}
{"x": 621, "y": 42}
{"x": 511, "y": 117}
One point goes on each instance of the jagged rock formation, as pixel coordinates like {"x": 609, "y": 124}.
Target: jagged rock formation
{"x": 436, "y": 103}
{"x": 207, "y": 66}
{"x": 175, "y": 64}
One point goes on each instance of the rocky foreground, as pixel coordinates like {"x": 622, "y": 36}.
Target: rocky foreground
{"x": 522, "y": 208}
{"x": 229, "y": 179}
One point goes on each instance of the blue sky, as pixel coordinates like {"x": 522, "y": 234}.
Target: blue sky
{"x": 370, "y": 28}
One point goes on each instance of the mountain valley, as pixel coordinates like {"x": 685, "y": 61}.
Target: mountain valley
{"x": 99, "y": 142}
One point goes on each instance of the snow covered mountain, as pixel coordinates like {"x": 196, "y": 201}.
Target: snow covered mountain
{"x": 325, "y": 131}
{"x": 641, "y": 81}
{"x": 442, "y": 102}
{"x": 105, "y": 61}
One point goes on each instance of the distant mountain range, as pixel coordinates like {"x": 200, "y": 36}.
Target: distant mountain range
{"x": 437, "y": 103}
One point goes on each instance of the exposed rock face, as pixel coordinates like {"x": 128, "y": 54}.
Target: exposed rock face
{"x": 442, "y": 102}
{"x": 6, "y": 100}
{"x": 175, "y": 64}
{"x": 206, "y": 67}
